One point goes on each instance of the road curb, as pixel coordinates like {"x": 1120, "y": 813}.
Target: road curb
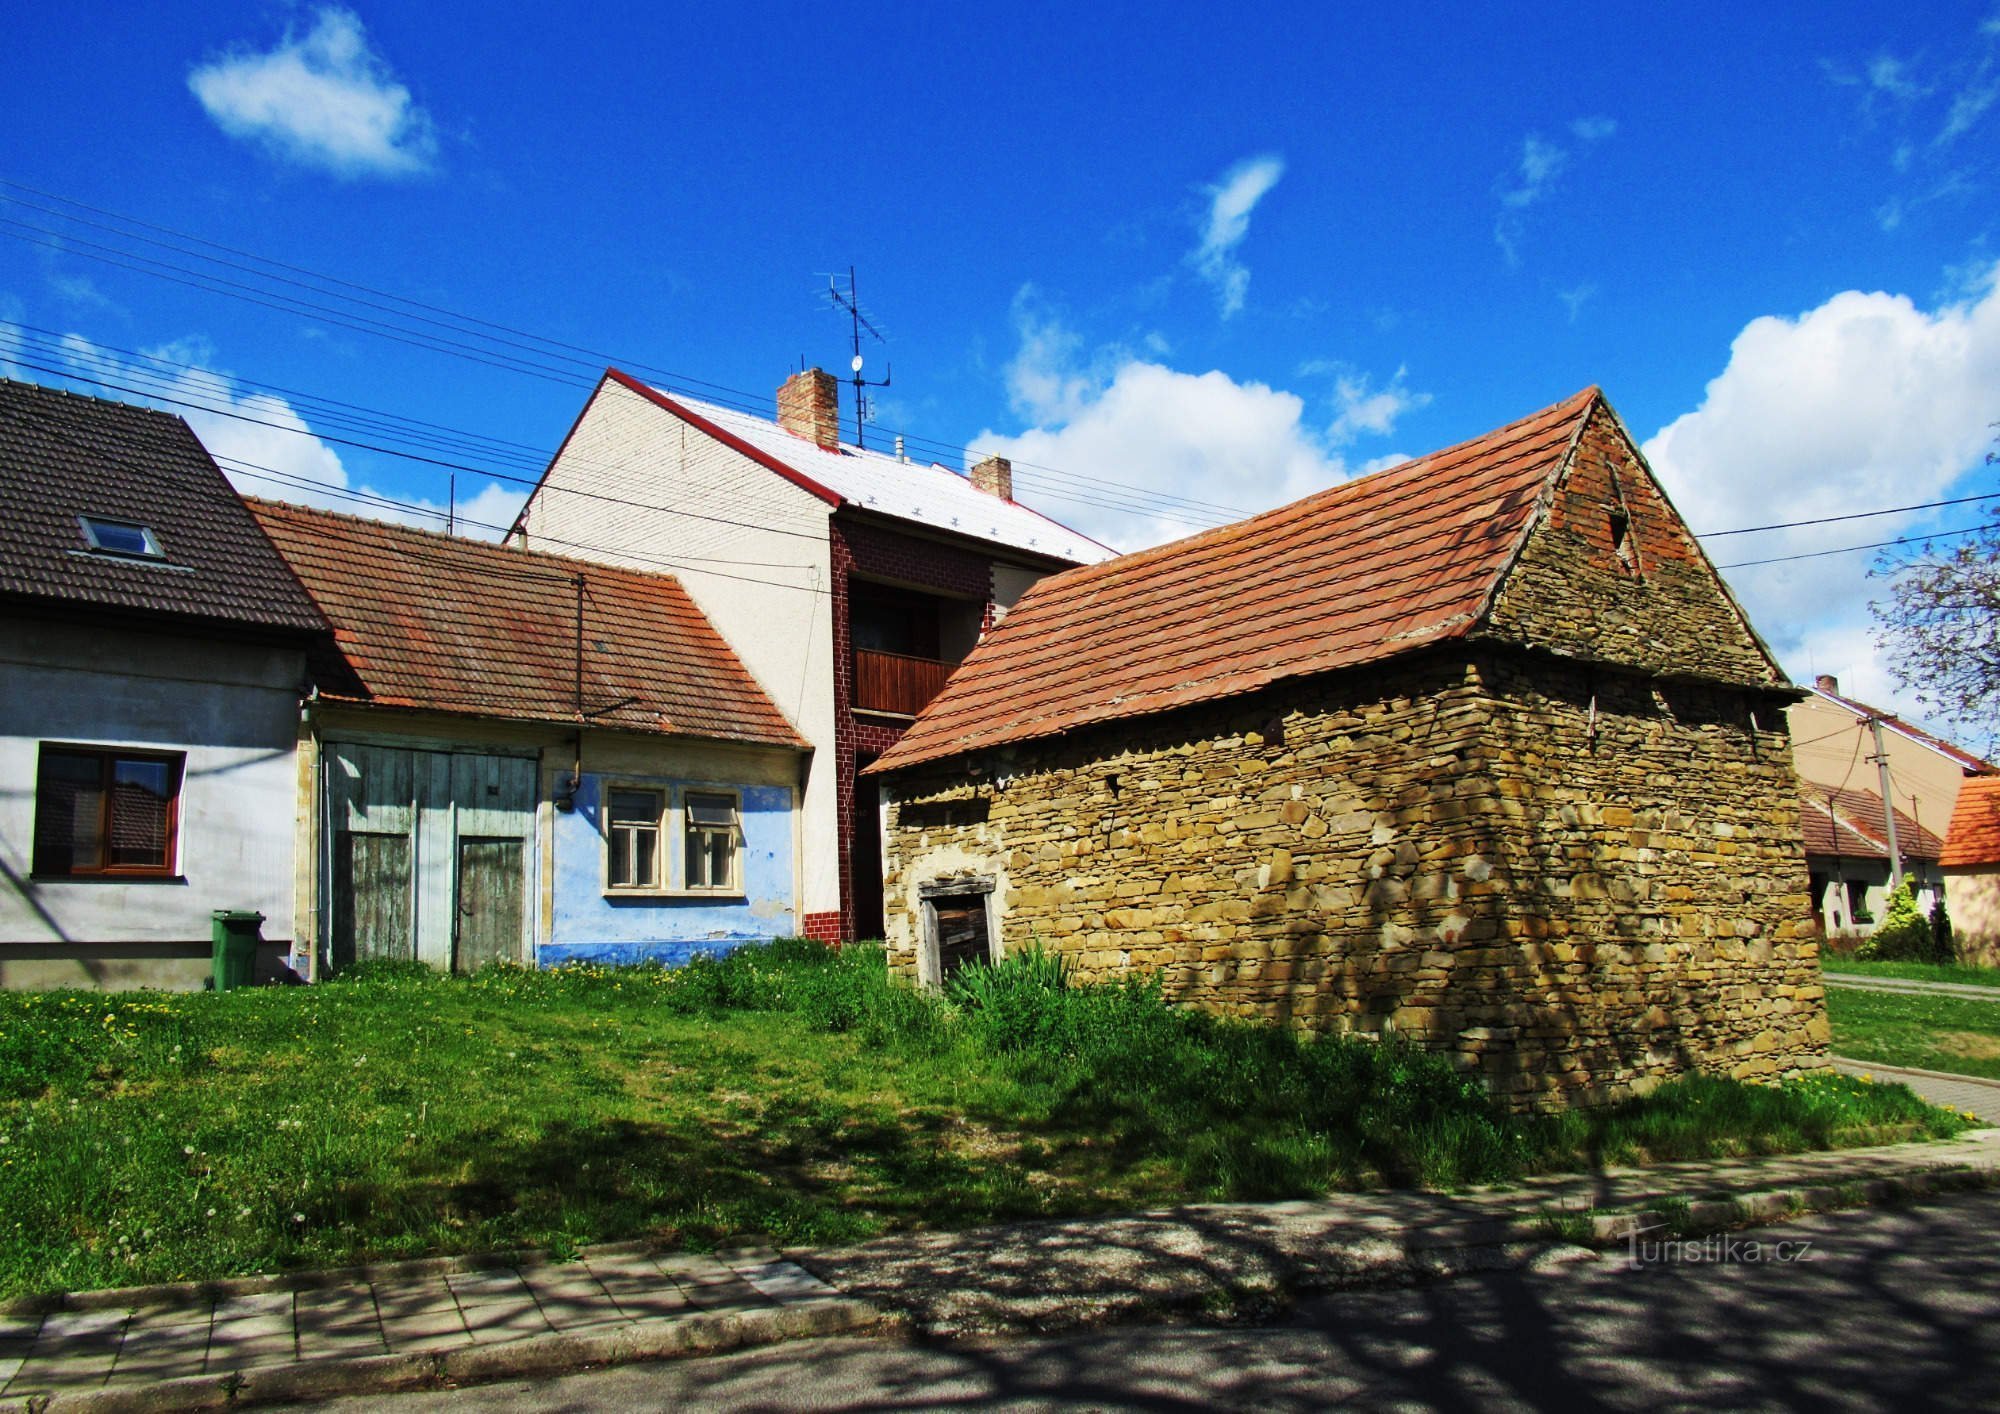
{"x": 707, "y": 1333}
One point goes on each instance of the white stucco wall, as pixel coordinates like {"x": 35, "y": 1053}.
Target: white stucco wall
{"x": 234, "y": 710}
{"x": 752, "y": 550}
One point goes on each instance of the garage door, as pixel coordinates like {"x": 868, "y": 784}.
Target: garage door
{"x": 427, "y": 855}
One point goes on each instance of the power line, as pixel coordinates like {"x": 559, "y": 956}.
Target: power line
{"x": 1855, "y": 515}
{"x": 1877, "y": 545}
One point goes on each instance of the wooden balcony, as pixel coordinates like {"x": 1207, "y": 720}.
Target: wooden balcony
{"x": 896, "y": 682}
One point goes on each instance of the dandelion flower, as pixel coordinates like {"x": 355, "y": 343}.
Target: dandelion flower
{"x": 298, "y": 1217}
{"x": 188, "y": 1149}
{"x": 211, "y": 1212}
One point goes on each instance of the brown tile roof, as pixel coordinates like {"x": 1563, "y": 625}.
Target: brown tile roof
{"x": 1973, "y": 837}
{"x": 1372, "y": 568}
{"x": 1849, "y": 823}
{"x": 1973, "y": 765}
{"x": 423, "y": 620}
{"x": 63, "y": 455}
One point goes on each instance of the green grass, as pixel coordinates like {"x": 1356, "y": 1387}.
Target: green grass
{"x": 787, "y": 1092}
{"x": 1956, "y": 1034}
{"x": 1916, "y": 971}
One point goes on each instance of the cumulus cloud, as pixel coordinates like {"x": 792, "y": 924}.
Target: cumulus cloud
{"x": 262, "y": 443}
{"x": 1865, "y": 402}
{"x": 1233, "y": 446}
{"x": 1230, "y": 203}
{"x": 1535, "y": 176}
{"x": 323, "y": 98}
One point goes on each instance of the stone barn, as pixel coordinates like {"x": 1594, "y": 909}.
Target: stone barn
{"x": 1478, "y": 750}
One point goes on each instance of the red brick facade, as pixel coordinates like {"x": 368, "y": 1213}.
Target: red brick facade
{"x": 878, "y": 553}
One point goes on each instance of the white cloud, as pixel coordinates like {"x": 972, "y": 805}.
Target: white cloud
{"x": 1245, "y": 446}
{"x": 1230, "y": 203}
{"x": 1541, "y": 165}
{"x": 1364, "y": 408}
{"x": 323, "y": 98}
{"x": 262, "y": 443}
{"x": 1864, "y": 402}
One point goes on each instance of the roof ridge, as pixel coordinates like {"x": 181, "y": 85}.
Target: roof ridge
{"x": 1312, "y": 501}
{"x": 97, "y": 398}
{"x": 582, "y": 566}
{"x": 1922, "y": 736}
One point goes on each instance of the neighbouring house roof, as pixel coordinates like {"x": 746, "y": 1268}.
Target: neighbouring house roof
{"x": 424, "y": 620}
{"x": 64, "y": 457}
{"x": 1972, "y": 765}
{"x": 1370, "y": 569}
{"x": 1848, "y": 823}
{"x": 922, "y": 493}
{"x": 1973, "y": 837}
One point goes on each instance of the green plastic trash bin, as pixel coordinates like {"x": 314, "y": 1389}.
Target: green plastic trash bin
{"x": 234, "y": 933}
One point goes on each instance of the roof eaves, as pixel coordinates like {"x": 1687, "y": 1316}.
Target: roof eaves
{"x": 727, "y": 438}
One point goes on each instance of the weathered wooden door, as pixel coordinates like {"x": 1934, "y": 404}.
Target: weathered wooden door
{"x": 961, "y": 932}
{"x": 427, "y": 854}
{"x": 489, "y": 903}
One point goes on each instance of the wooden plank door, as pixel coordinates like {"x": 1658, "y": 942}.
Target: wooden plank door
{"x": 490, "y": 894}
{"x": 369, "y": 819}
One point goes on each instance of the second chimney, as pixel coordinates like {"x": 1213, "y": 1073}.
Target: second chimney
{"x": 809, "y": 407}
{"x": 994, "y": 476}
{"x": 1828, "y": 683}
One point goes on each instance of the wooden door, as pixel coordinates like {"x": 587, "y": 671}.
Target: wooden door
{"x": 371, "y": 898}
{"x": 489, "y": 902}
{"x": 961, "y": 932}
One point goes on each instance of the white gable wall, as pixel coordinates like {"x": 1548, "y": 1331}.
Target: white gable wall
{"x": 751, "y": 548}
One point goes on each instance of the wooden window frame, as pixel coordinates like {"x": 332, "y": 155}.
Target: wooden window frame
{"x": 108, "y": 758}
{"x": 688, "y": 829}
{"x": 662, "y": 871}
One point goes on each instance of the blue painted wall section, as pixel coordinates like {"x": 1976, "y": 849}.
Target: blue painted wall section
{"x": 591, "y": 926}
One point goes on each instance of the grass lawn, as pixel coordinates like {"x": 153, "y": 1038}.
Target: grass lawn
{"x": 787, "y": 1092}
{"x": 1958, "y": 1034}
{"x": 1917, "y": 971}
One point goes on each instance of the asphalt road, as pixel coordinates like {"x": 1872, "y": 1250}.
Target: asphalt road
{"x": 1895, "y": 1308}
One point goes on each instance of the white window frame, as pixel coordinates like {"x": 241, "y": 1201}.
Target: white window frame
{"x": 662, "y": 831}
{"x": 686, "y": 830}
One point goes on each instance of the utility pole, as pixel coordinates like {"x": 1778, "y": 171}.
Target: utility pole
{"x": 1888, "y": 805}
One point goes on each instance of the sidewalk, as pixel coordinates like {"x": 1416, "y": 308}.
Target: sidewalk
{"x": 1971, "y": 1093}
{"x": 1911, "y": 986}
{"x": 403, "y": 1325}
{"x": 457, "y": 1321}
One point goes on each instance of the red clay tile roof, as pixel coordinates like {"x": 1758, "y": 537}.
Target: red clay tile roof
{"x": 1372, "y": 568}
{"x": 63, "y": 455}
{"x": 1849, "y": 823}
{"x": 1973, "y": 837}
{"x": 423, "y": 620}
{"x": 1975, "y": 765}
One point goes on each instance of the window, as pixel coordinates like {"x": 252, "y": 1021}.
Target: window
{"x": 710, "y": 830}
{"x": 1857, "y": 902}
{"x": 121, "y": 537}
{"x": 105, "y": 812}
{"x": 632, "y": 834}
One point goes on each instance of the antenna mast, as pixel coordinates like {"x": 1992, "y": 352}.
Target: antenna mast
{"x": 850, "y": 304}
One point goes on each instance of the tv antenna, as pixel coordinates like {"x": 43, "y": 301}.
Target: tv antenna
{"x": 864, "y": 411}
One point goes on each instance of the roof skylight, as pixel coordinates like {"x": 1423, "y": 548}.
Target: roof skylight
{"x": 121, "y": 537}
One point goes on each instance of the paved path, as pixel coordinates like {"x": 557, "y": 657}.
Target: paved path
{"x": 1895, "y": 1308}
{"x": 1910, "y": 986}
{"x": 1970, "y": 1093}
{"x": 385, "y": 1311}
{"x": 416, "y": 1324}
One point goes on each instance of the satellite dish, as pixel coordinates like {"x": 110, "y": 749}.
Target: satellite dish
{"x": 856, "y": 365}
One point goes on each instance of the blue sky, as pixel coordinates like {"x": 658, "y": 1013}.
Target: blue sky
{"x": 1212, "y": 258}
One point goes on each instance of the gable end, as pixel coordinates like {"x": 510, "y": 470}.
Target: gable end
{"x": 1609, "y": 572}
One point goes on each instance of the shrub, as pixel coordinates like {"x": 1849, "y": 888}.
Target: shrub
{"x": 1020, "y": 1003}
{"x": 1903, "y": 935}
{"x": 1944, "y": 947}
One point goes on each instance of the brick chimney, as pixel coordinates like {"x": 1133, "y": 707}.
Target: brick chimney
{"x": 1827, "y": 682}
{"x": 809, "y": 407}
{"x": 994, "y": 476}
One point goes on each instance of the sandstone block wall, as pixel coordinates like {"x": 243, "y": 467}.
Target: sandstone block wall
{"x": 1575, "y": 880}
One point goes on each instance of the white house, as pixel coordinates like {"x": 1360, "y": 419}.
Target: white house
{"x": 152, "y": 662}
{"x": 850, "y": 581}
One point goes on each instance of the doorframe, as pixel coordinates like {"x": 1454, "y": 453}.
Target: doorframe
{"x": 930, "y": 964}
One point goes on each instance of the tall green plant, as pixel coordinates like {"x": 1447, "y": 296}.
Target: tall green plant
{"x": 1904, "y": 934}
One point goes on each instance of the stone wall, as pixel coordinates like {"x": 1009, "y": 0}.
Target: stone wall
{"x": 1576, "y": 881}
{"x": 1612, "y": 574}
